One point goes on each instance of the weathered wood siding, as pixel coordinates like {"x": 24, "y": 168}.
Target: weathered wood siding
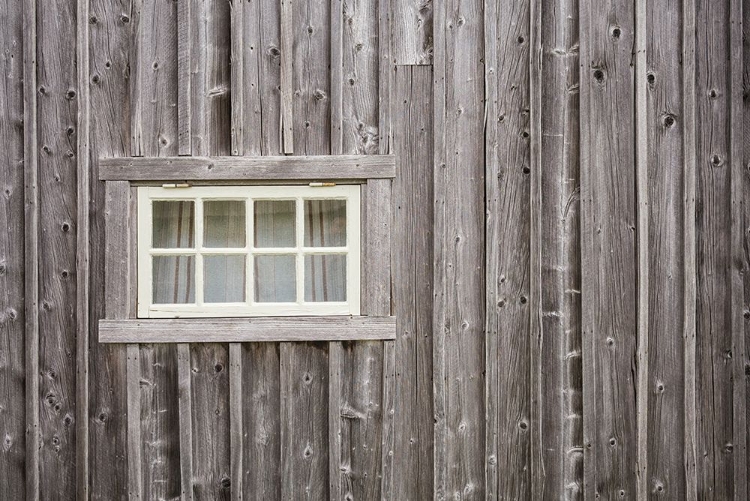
{"x": 569, "y": 249}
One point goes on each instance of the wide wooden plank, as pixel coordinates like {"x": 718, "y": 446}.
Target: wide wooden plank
{"x": 12, "y": 256}
{"x": 608, "y": 233}
{"x": 57, "y": 99}
{"x": 509, "y": 294}
{"x": 459, "y": 317}
{"x": 247, "y": 168}
{"x": 412, "y": 31}
{"x": 412, "y": 474}
{"x": 561, "y": 432}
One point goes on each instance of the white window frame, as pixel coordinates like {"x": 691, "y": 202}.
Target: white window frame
{"x": 148, "y": 194}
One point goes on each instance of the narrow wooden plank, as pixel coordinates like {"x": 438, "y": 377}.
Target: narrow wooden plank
{"x": 235, "y": 419}
{"x": 738, "y": 93}
{"x": 338, "y": 469}
{"x": 136, "y": 68}
{"x": 714, "y": 366}
{"x": 286, "y": 77}
{"x": 13, "y": 170}
{"x": 609, "y": 260}
{"x": 690, "y": 246}
{"x": 413, "y": 285}
{"x": 111, "y": 39}
{"x": 336, "y": 27}
{"x": 135, "y": 474}
{"x": 665, "y": 120}
{"x": 412, "y": 29}
{"x": 58, "y": 106}
{"x": 185, "y": 420}
{"x": 561, "y": 412}
{"x": 243, "y": 330}
{"x": 385, "y": 77}
{"x": 117, "y": 250}
{"x": 247, "y": 168}
{"x": 83, "y": 256}
{"x": 237, "y": 75}
{"x": 261, "y": 421}
{"x": 745, "y": 139}
{"x": 184, "y": 79}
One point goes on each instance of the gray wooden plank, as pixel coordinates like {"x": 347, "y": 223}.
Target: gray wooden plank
{"x": 261, "y": 421}
{"x": 111, "y": 38}
{"x": 237, "y": 65}
{"x": 57, "y": 101}
{"x": 12, "y": 257}
{"x": 665, "y": 122}
{"x": 714, "y": 367}
{"x": 314, "y": 167}
{"x": 385, "y": 77}
{"x": 159, "y": 416}
{"x": 131, "y": 18}
{"x": 745, "y": 139}
{"x": 251, "y": 329}
{"x": 413, "y": 284}
{"x": 412, "y": 31}
{"x": 286, "y": 76}
{"x": 338, "y": 468}
{"x": 133, "y": 389}
{"x": 185, "y": 403}
{"x": 561, "y": 404}
{"x": 336, "y": 28}
{"x": 117, "y": 250}
{"x": 459, "y": 316}
{"x": 608, "y": 233}
{"x": 235, "y": 419}
{"x": 184, "y": 80}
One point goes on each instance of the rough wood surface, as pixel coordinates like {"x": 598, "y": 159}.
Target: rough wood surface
{"x": 133, "y": 390}
{"x": 412, "y": 283}
{"x": 286, "y": 77}
{"x": 235, "y": 420}
{"x": 13, "y": 455}
{"x": 185, "y": 420}
{"x": 247, "y": 168}
{"x": 412, "y": 29}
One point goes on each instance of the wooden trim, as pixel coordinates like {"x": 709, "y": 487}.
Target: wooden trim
{"x": 245, "y": 330}
{"x": 235, "y": 418}
{"x": 135, "y": 477}
{"x": 337, "y": 79}
{"x": 136, "y": 78}
{"x": 287, "y": 54}
{"x": 31, "y": 248}
{"x": 237, "y": 76}
{"x": 117, "y": 250}
{"x": 184, "y": 109}
{"x": 322, "y": 167}
{"x": 335, "y": 362}
{"x": 185, "y": 405}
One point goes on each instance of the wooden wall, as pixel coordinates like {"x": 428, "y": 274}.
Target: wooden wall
{"x": 570, "y": 249}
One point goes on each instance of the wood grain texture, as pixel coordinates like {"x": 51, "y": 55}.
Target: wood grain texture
{"x": 185, "y": 419}
{"x": 412, "y": 284}
{"x": 184, "y": 80}
{"x": 57, "y": 100}
{"x": 197, "y": 168}
{"x": 745, "y": 139}
{"x": 412, "y": 31}
{"x": 459, "y": 240}
{"x": 237, "y": 66}
{"x": 608, "y": 233}
{"x": 13, "y": 454}
{"x": 286, "y": 77}
{"x": 508, "y": 261}
{"x": 133, "y": 390}
{"x": 561, "y": 401}
{"x": 235, "y": 420}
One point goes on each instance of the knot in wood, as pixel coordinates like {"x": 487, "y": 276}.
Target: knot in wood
{"x": 226, "y": 482}
{"x": 319, "y": 94}
{"x": 599, "y": 75}
{"x": 616, "y": 32}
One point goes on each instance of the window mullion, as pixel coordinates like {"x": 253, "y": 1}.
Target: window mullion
{"x": 198, "y": 254}
{"x": 300, "y": 230}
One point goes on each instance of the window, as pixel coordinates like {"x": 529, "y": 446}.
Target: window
{"x": 228, "y": 251}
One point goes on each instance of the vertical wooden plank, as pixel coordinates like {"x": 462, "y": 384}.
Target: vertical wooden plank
{"x": 385, "y": 77}
{"x": 286, "y": 77}
{"x": 715, "y": 268}
{"x": 746, "y": 198}
{"x": 609, "y": 294}
{"x": 561, "y": 414}
{"x": 413, "y": 283}
{"x": 235, "y": 419}
{"x": 111, "y": 38}
{"x": 237, "y": 78}
{"x": 135, "y": 473}
{"x": 659, "y": 80}
{"x": 185, "y": 396}
{"x": 412, "y": 30}
{"x": 338, "y": 469}
{"x": 12, "y": 257}
{"x": 261, "y": 421}
{"x": 459, "y": 316}
{"x": 184, "y": 78}
{"x": 337, "y": 74}
{"x": 57, "y": 184}
{"x": 137, "y": 68}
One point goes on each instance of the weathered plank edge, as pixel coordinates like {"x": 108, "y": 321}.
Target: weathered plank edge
{"x": 245, "y": 330}
{"x": 287, "y": 55}
{"x": 688, "y": 82}
{"x": 185, "y": 404}
{"x": 31, "y": 248}
{"x": 247, "y": 168}
{"x": 235, "y": 418}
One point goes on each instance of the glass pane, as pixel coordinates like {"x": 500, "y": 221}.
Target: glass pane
{"x": 174, "y": 279}
{"x": 174, "y": 224}
{"x": 275, "y": 223}
{"x": 224, "y": 223}
{"x": 275, "y": 279}
{"x": 325, "y": 223}
{"x": 325, "y": 278}
{"x": 224, "y": 279}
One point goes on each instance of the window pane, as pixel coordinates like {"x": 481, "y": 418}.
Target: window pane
{"x": 174, "y": 224}
{"x": 224, "y": 223}
{"x": 275, "y": 223}
{"x": 325, "y": 223}
{"x": 174, "y": 279}
{"x": 275, "y": 279}
{"x": 224, "y": 279}
{"x": 325, "y": 278}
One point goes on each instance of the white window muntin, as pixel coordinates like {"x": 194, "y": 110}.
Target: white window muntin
{"x": 249, "y": 194}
